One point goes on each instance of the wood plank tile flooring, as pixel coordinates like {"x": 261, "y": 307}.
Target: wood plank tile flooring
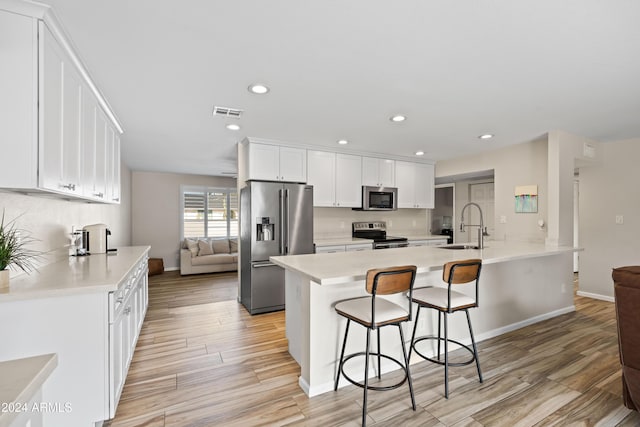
{"x": 202, "y": 360}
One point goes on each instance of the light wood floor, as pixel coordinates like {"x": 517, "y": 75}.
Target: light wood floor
{"x": 201, "y": 360}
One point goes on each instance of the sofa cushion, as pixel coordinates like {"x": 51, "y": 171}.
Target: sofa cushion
{"x": 204, "y": 248}
{"x": 233, "y": 245}
{"x": 220, "y": 246}
{"x": 213, "y": 259}
{"x": 192, "y": 245}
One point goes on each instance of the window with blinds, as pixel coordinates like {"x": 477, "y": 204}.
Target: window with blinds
{"x": 210, "y": 213}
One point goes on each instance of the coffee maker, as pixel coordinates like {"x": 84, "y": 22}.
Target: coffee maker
{"x": 79, "y": 242}
{"x": 97, "y": 239}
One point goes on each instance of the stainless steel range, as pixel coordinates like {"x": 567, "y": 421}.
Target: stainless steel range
{"x": 377, "y": 231}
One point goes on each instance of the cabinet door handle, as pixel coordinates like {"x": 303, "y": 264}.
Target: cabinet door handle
{"x": 127, "y": 311}
{"x": 116, "y": 199}
{"x": 98, "y": 195}
{"x": 69, "y": 186}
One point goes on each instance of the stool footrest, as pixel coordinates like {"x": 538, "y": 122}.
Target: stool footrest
{"x": 441, "y": 362}
{"x": 371, "y": 387}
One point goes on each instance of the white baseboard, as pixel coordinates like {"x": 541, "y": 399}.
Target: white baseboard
{"x": 172, "y": 269}
{"x": 518, "y": 325}
{"x": 596, "y": 296}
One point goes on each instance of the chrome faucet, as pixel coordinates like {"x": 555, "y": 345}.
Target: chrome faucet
{"x": 482, "y": 230}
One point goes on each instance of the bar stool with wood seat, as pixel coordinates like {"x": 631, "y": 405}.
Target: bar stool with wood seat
{"x": 374, "y": 313}
{"x": 447, "y": 301}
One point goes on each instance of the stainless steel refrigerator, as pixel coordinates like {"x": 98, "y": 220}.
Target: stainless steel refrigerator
{"x": 275, "y": 219}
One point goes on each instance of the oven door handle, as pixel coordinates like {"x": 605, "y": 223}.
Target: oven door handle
{"x": 391, "y": 245}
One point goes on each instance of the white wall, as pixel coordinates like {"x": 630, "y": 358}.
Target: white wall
{"x": 155, "y": 210}
{"x": 607, "y": 189}
{"x": 520, "y": 164}
{"x": 49, "y": 219}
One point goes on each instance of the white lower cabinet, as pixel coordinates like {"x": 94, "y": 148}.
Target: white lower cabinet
{"x": 359, "y": 247}
{"x": 90, "y": 316}
{"x": 428, "y": 242}
{"x": 344, "y": 248}
{"x": 128, "y": 306}
{"x": 329, "y": 249}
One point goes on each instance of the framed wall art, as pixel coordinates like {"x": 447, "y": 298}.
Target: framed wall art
{"x": 526, "y": 199}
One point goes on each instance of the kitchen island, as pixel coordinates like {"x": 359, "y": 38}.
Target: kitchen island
{"x": 521, "y": 283}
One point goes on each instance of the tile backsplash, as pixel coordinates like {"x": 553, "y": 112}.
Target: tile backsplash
{"x": 336, "y": 222}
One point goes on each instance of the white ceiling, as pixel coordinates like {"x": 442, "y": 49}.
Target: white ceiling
{"x": 339, "y": 69}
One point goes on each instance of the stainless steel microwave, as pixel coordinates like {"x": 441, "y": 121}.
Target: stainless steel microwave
{"x": 379, "y": 198}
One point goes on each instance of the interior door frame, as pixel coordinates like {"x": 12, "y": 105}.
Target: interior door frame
{"x": 452, "y": 185}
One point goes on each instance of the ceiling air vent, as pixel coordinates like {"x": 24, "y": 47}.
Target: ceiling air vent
{"x": 227, "y": 112}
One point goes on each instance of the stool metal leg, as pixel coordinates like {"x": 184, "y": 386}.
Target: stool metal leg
{"x": 379, "y": 357}
{"x": 413, "y": 335}
{"x": 406, "y": 361}
{"x": 475, "y": 349}
{"x": 439, "y": 329}
{"x": 366, "y": 380}
{"x": 344, "y": 345}
{"x": 446, "y": 358}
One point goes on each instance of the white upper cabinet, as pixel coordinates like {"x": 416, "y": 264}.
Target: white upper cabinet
{"x": 335, "y": 178}
{"x": 321, "y": 173}
{"x": 113, "y": 166}
{"x": 94, "y": 171}
{"x": 277, "y": 163}
{"x": 51, "y": 117}
{"x": 348, "y": 180}
{"x": 378, "y": 172}
{"x": 60, "y": 117}
{"x": 415, "y": 182}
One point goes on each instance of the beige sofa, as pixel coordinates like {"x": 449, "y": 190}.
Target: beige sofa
{"x": 206, "y": 255}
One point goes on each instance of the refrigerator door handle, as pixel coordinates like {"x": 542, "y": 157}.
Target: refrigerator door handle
{"x": 281, "y": 221}
{"x": 285, "y": 227}
{"x": 263, "y": 264}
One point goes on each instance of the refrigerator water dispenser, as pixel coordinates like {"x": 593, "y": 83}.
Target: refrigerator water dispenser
{"x": 264, "y": 229}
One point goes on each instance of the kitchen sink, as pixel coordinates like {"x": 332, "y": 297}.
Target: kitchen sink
{"x": 459, "y": 247}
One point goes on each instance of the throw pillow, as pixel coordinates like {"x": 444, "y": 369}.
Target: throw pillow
{"x": 220, "y": 246}
{"x": 233, "y": 245}
{"x": 192, "y": 245}
{"x": 204, "y": 248}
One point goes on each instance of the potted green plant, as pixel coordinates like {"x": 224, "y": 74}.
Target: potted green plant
{"x": 14, "y": 252}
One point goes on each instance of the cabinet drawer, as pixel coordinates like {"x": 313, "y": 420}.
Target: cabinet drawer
{"x": 330, "y": 249}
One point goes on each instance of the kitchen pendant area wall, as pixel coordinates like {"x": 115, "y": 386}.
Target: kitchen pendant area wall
{"x": 336, "y": 222}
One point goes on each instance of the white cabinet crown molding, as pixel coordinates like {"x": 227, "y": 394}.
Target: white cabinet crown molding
{"x": 46, "y": 13}
{"x": 337, "y": 150}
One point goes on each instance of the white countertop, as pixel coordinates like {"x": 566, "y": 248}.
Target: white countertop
{"x": 21, "y": 379}
{"x": 328, "y": 269}
{"x": 75, "y": 275}
{"x": 330, "y": 241}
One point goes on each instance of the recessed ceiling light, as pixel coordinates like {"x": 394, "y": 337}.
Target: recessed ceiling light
{"x": 233, "y": 126}
{"x": 343, "y": 142}
{"x": 259, "y": 89}
{"x": 419, "y": 153}
{"x": 486, "y": 136}
{"x": 398, "y": 118}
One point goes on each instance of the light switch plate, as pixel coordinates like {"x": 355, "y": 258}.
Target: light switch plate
{"x": 619, "y": 219}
